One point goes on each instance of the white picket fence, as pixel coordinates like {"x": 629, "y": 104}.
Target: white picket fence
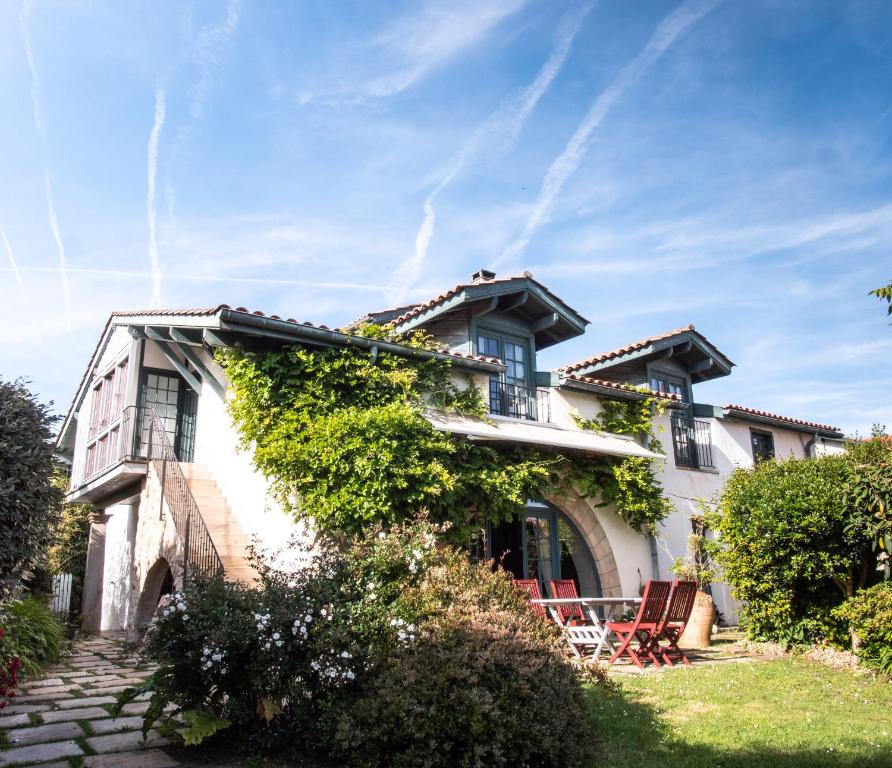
{"x": 60, "y": 603}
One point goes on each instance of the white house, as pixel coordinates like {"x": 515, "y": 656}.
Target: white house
{"x": 173, "y": 491}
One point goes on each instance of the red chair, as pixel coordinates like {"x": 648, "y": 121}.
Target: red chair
{"x": 566, "y": 589}
{"x": 534, "y": 592}
{"x": 681, "y": 604}
{"x": 644, "y": 627}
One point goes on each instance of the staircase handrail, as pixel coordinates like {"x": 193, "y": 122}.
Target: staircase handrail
{"x": 199, "y": 551}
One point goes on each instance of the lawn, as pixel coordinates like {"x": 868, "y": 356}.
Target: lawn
{"x": 764, "y": 714}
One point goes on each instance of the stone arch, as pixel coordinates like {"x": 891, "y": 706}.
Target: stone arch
{"x": 583, "y": 516}
{"x": 159, "y": 581}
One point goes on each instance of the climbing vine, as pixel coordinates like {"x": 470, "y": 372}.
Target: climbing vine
{"x": 631, "y": 484}
{"x": 341, "y": 435}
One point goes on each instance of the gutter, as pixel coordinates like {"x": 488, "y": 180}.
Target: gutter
{"x": 615, "y": 393}
{"x": 236, "y": 321}
{"x": 780, "y": 424}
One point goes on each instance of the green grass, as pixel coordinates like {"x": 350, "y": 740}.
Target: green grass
{"x": 776, "y": 714}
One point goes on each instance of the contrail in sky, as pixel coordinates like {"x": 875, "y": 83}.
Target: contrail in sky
{"x": 21, "y": 283}
{"x": 665, "y": 35}
{"x": 206, "y": 55}
{"x": 499, "y": 130}
{"x": 151, "y": 212}
{"x": 41, "y": 132}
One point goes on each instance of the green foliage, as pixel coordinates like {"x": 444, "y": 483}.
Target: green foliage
{"x": 32, "y": 634}
{"x": 885, "y": 293}
{"x": 200, "y": 724}
{"x": 800, "y": 536}
{"x": 71, "y": 534}
{"x": 383, "y": 650}
{"x": 631, "y": 485}
{"x": 698, "y": 563}
{"x": 28, "y": 498}
{"x": 869, "y": 615}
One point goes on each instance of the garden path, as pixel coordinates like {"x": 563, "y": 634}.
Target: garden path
{"x": 63, "y": 719}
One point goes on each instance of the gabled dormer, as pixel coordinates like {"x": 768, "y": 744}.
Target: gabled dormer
{"x": 670, "y": 362}
{"x": 509, "y": 318}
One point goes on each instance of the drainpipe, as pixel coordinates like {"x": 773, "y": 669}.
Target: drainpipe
{"x": 236, "y": 321}
{"x": 809, "y": 445}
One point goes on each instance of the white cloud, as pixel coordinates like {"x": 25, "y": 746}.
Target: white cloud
{"x": 151, "y": 212}
{"x": 411, "y": 47}
{"x": 497, "y": 134}
{"x": 666, "y": 34}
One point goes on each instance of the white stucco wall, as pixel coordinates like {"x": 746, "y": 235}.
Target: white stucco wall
{"x": 120, "y": 536}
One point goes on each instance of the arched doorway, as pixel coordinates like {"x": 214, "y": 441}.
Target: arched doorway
{"x": 159, "y": 582}
{"x": 545, "y": 544}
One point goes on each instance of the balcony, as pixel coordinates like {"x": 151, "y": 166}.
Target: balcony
{"x": 519, "y": 402}
{"x": 692, "y": 442}
{"x": 112, "y": 459}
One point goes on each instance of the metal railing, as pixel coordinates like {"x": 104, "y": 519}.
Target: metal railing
{"x": 199, "y": 553}
{"x": 519, "y": 402}
{"x": 116, "y": 442}
{"x": 692, "y": 442}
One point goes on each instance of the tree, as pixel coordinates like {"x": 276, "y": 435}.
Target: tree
{"x": 29, "y": 500}
{"x": 885, "y": 293}
{"x": 800, "y": 536}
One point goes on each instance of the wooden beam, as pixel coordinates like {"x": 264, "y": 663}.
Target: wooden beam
{"x": 181, "y": 337}
{"x": 666, "y": 353}
{"x": 166, "y": 350}
{"x": 518, "y": 302}
{"x": 703, "y": 365}
{"x": 215, "y": 338}
{"x": 155, "y": 334}
{"x": 206, "y": 374}
{"x": 681, "y": 349}
{"x": 546, "y": 322}
{"x": 485, "y": 308}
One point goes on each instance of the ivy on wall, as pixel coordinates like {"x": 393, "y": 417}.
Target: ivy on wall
{"x": 341, "y": 435}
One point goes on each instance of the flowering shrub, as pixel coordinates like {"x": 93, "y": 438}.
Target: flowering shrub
{"x": 387, "y": 650}
{"x": 9, "y": 669}
{"x": 869, "y": 614}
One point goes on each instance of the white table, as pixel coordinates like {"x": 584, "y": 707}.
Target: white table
{"x": 595, "y": 635}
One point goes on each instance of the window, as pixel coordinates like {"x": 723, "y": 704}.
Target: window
{"x": 668, "y": 385}
{"x": 509, "y": 393}
{"x": 763, "y": 445}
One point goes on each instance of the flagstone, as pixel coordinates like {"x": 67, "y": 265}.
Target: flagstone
{"x": 40, "y": 753}
{"x": 61, "y": 715}
{"x": 15, "y": 708}
{"x": 14, "y": 721}
{"x": 48, "y": 682}
{"x": 28, "y": 698}
{"x": 87, "y": 701}
{"x": 40, "y": 734}
{"x": 125, "y": 742}
{"x": 95, "y": 679}
{"x": 149, "y": 758}
{"x": 116, "y": 725}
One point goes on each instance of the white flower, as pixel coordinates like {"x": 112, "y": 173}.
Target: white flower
{"x": 181, "y": 606}
{"x": 257, "y": 617}
{"x": 276, "y": 635}
{"x": 309, "y": 617}
{"x": 345, "y": 655}
{"x": 413, "y": 567}
{"x": 349, "y": 675}
{"x": 217, "y": 657}
{"x": 185, "y": 617}
{"x": 417, "y": 554}
{"x": 279, "y": 643}
{"x": 323, "y": 613}
{"x": 314, "y": 666}
{"x": 382, "y": 535}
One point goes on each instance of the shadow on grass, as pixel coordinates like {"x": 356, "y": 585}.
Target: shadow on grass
{"x": 631, "y": 733}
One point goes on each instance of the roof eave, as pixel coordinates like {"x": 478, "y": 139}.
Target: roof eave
{"x": 811, "y": 429}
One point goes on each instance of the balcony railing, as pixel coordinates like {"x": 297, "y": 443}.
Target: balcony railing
{"x": 692, "y": 442}
{"x": 519, "y": 402}
{"x": 117, "y": 443}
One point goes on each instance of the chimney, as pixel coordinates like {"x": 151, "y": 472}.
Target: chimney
{"x": 482, "y": 275}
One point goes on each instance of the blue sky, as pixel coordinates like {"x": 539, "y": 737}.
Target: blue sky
{"x": 654, "y": 163}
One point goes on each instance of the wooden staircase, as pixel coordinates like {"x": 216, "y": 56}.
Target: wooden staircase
{"x": 229, "y": 538}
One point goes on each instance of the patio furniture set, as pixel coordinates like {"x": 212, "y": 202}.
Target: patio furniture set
{"x": 591, "y": 624}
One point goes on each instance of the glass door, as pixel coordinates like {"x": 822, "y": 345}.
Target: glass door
{"x": 175, "y": 404}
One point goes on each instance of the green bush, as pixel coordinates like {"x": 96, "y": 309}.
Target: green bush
{"x": 385, "y": 650}
{"x": 29, "y": 499}
{"x": 32, "y": 634}
{"x": 869, "y": 614}
{"x": 800, "y": 536}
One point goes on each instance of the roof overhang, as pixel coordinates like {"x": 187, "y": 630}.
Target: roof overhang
{"x": 224, "y": 327}
{"x": 551, "y": 320}
{"x": 616, "y": 390}
{"x": 782, "y": 422}
{"x": 701, "y": 359}
{"x": 541, "y": 435}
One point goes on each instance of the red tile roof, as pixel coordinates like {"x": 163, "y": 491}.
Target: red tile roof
{"x": 620, "y": 386}
{"x": 776, "y": 417}
{"x": 634, "y": 346}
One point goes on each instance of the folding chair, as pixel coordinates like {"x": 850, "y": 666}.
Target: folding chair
{"x": 644, "y": 626}
{"x": 681, "y": 604}
{"x": 533, "y": 592}
{"x": 566, "y": 589}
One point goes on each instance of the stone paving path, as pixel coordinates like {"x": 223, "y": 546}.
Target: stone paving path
{"x": 63, "y": 720}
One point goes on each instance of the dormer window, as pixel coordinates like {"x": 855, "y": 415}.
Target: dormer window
{"x": 668, "y": 385}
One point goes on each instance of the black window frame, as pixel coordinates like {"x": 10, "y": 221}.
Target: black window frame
{"x": 758, "y": 434}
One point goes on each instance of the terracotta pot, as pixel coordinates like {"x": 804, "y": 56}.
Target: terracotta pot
{"x": 698, "y": 632}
